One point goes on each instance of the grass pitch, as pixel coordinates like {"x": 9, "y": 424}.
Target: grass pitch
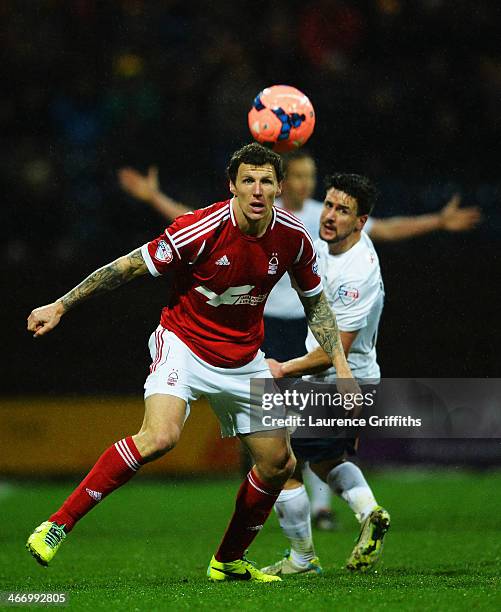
{"x": 148, "y": 545}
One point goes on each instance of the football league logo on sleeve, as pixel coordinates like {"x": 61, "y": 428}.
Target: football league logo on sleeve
{"x": 347, "y": 294}
{"x": 163, "y": 252}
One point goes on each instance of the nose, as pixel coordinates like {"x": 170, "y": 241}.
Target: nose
{"x": 258, "y": 189}
{"x": 330, "y": 214}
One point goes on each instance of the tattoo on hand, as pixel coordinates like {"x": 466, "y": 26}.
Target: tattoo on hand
{"x": 107, "y": 278}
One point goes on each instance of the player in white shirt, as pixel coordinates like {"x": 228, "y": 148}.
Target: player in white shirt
{"x": 283, "y": 315}
{"x": 283, "y": 312}
{"x": 349, "y": 267}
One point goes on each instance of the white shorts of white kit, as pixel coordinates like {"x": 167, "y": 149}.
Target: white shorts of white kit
{"x": 176, "y": 370}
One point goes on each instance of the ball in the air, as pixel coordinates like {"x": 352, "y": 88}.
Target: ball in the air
{"x": 281, "y": 117}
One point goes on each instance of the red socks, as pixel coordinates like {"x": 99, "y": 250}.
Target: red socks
{"x": 255, "y": 499}
{"x": 114, "y": 468}
{"x": 120, "y": 462}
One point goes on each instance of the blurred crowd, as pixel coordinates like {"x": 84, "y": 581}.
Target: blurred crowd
{"x": 406, "y": 91}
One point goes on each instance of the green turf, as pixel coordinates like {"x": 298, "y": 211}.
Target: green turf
{"x": 148, "y": 545}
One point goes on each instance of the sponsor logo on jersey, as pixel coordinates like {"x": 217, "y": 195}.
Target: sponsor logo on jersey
{"x": 97, "y": 495}
{"x": 347, "y": 294}
{"x": 223, "y": 261}
{"x": 273, "y": 264}
{"x": 163, "y": 252}
{"x": 173, "y": 378}
{"x": 233, "y": 296}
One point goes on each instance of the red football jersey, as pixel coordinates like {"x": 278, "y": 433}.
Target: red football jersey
{"x": 221, "y": 278}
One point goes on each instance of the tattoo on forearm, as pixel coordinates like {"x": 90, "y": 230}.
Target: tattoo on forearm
{"x": 322, "y": 323}
{"x": 105, "y": 279}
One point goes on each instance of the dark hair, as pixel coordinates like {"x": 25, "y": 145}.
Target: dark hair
{"x": 358, "y": 187}
{"x": 257, "y": 155}
{"x": 294, "y": 155}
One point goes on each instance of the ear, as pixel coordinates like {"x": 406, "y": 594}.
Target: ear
{"x": 361, "y": 221}
{"x": 232, "y": 188}
{"x": 279, "y": 189}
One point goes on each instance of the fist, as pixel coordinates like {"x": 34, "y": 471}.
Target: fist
{"x": 45, "y": 318}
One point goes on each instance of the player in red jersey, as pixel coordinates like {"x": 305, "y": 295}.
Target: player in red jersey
{"x": 224, "y": 260}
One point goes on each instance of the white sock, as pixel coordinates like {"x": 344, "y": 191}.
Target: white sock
{"x": 293, "y": 511}
{"x": 320, "y": 493}
{"x": 348, "y": 481}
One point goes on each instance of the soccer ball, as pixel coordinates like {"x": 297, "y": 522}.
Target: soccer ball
{"x": 281, "y": 117}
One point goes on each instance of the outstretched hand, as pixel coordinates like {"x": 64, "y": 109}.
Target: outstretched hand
{"x": 140, "y": 186}
{"x": 456, "y": 219}
{"x": 45, "y": 318}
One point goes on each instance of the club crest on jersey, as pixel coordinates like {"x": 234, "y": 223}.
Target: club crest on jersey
{"x": 273, "y": 264}
{"x": 163, "y": 252}
{"x": 173, "y": 378}
{"x": 347, "y": 294}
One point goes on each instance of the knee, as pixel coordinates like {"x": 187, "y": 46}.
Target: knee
{"x": 278, "y": 469}
{"x": 164, "y": 442}
{"x": 154, "y": 444}
{"x": 324, "y": 469}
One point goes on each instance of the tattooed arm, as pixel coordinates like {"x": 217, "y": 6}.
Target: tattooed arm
{"x": 322, "y": 322}
{"x": 107, "y": 278}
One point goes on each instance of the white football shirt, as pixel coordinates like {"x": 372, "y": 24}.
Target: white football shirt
{"x": 283, "y": 302}
{"x": 354, "y": 289}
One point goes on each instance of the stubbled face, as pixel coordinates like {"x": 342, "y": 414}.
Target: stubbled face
{"x": 255, "y": 189}
{"x": 339, "y": 218}
{"x": 301, "y": 179}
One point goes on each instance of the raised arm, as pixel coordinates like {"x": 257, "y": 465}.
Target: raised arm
{"x": 145, "y": 187}
{"x": 451, "y": 218}
{"x": 111, "y": 276}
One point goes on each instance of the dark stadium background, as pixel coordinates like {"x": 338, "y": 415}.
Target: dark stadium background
{"x": 406, "y": 92}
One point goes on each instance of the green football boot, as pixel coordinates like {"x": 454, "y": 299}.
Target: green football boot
{"x": 369, "y": 545}
{"x": 44, "y": 542}
{"x": 286, "y": 566}
{"x": 242, "y": 569}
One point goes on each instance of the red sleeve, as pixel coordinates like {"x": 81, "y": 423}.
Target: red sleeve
{"x": 167, "y": 251}
{"x": 304, "y": 270}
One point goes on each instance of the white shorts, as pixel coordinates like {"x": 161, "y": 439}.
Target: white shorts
{"x": 176, "y": 370}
